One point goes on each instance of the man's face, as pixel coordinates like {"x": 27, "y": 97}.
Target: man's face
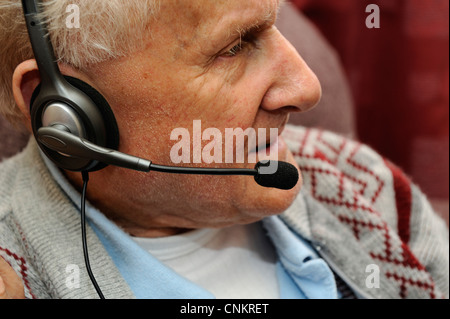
{"x": 222, "y": 62}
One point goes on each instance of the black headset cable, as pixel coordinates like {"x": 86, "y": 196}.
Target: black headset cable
{"x": 85, "y": 176}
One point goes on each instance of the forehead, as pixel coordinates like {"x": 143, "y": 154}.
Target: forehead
{"x": 207, "y": 17}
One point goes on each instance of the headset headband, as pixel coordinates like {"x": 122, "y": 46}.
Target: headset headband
{"x": 41, "y": 44}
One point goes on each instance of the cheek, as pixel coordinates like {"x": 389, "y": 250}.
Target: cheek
{"x": 148, "y": 111}
{"x": 221, "y": 104}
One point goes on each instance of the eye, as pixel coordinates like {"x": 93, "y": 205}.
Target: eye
{"x": 241, "y": 46}
{"x": 234, "y": 50}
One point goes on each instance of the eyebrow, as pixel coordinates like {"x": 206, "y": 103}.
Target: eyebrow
{"x": 247, "y": 27}
{"x": 267, "y": 18}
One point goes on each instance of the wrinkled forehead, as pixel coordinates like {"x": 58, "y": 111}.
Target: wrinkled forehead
{"x": 200, "y": 18}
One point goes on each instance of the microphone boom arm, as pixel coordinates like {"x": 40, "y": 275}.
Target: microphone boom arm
{"x": 285, "y": 177}
{"x": 69, "y": 144}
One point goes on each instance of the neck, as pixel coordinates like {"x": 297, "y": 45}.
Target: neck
{"x": 131, "y": 217}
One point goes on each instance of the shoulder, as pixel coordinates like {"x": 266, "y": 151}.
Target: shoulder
{"x": 342, "y": 171}
{"x": 347, "y": 175}
{"x": 388, "y": 216}
{"x": 7, "y": 181}
{"x": 17, "y": 174}
{"x": 328, "y": 147}
{"x": 13, "y": 247}
{"x": 8, "y": 173}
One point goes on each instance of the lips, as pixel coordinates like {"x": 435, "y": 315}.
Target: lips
{"x": 266, "y": 147}
{"x": 271, "y": 144}
{"x": 262, "y": 148}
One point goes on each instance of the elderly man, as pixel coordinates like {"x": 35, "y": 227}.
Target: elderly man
{"x": 160, "y": 65}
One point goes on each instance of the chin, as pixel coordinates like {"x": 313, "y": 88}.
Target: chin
{"x": 262, "y": 202}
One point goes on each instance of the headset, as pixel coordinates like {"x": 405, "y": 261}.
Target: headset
{"x": 75, "y": 128}
{"x": 66, "y": 103}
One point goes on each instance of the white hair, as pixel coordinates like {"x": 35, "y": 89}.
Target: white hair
{"x": 108, "y": 29}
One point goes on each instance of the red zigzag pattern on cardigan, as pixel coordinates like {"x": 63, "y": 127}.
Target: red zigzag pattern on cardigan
{"x": 20, "y": 261}
{"x": 351, "y": 193}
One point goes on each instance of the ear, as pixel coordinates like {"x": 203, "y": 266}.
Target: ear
{"x": 25, "y": 80}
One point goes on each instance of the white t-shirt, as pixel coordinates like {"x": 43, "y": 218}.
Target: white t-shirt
{"x": 232, "y": 263}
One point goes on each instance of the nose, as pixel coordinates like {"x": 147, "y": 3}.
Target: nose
{"x": 294, "y": 85}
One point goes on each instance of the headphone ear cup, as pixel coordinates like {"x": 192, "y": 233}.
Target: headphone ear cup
{"x": 112, "y": 130}
{"x": 107, "y": 115}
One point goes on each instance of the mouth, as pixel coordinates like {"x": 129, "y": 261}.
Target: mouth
{"x": 265, "y": 147}
{"x": 270, "y": 145}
